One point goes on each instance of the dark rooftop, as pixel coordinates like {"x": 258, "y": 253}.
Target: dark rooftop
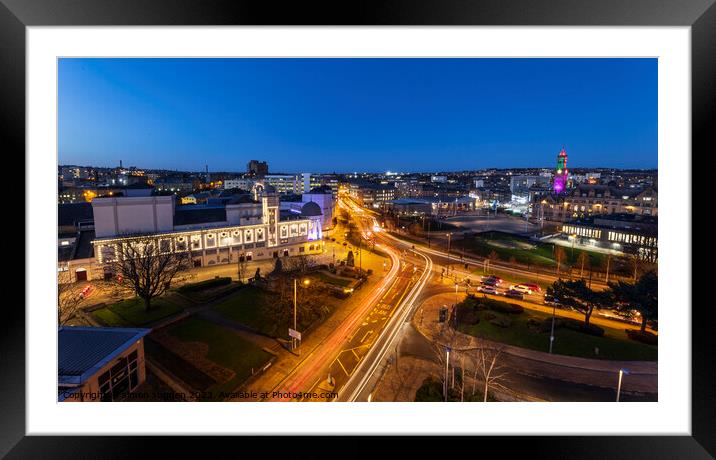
{"x": 68, "y": 214}
{"x": 85, "y": 349}
{"x": 323, "y": 189}
{"x": 311, "y": 209}
{"x": 85, "y": 249}
{"x": 64, "y": 253}
{"x": 647, "y": 224}
{"x": 291, "y": 198}
{"x": 286, "y": 214}
{"x": 198, "y": 214}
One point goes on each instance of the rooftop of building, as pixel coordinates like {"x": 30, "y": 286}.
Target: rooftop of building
{"x": 311, "y": 209}
{"x": 292, "y": 198}
{"x": 371, "y": 185}
{"x": 321, "y": 190}
{"x": 199, "y": 214}
{"x": 639, "y": 222}
{"x": 69, "y": 214}
{"x": 83, "y": 351}
{"x": 85, "y": 248}
{"x": 287, "y": 214}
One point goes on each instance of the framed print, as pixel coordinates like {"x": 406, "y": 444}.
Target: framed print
{"x": 461, "y": 202}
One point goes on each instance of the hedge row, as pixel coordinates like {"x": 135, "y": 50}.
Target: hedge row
{"x": 573, "y": 324}
{"x": 643, "y": 337}
{"x": 207, "y": 284}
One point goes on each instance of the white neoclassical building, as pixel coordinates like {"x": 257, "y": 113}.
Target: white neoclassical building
{"x": 238, "y": 229}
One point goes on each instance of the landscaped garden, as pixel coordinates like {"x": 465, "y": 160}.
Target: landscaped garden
{"x": 217, "y": 352}
{"x": 131, "y": 312}
{"x": 209, "y": 290}
{"x": 271, "y": 313}
{"x": 510, "y": 324}
{"x": 252, "y": 307}
{"x": 334, "y": 280}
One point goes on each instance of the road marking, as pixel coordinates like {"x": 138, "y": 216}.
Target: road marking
{"x": 342, "y": 367}
{"x": 366, "y": 335}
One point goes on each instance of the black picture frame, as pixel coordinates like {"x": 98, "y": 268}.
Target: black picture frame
{"x": 700, "y": 15}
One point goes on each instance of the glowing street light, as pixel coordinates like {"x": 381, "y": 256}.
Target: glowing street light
{"x": 619, "y": 384}
{"x": 305, "y": 282}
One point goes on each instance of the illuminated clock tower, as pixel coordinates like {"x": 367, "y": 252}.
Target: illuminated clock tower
{"x": 561, "y": 173}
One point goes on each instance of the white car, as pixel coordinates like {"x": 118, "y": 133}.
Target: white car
{"x": 521, "y": 289}
{"x": 487, "y": 289}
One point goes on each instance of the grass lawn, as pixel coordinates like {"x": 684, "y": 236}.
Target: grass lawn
{"x": 255, "y": 307}
{"x": 226, "y": 349}
{"x": 507, "y": 246}
{"x": 189, "y": 374}
{"x": 130, "y": 312}
{"x": 249, "y": 307}
{"x": 613, "y": 345}
{"x": 110, "y": 318}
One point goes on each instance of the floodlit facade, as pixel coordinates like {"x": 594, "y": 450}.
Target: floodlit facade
{"x": 212, "y": 235}
{"x": 588, "y": 200}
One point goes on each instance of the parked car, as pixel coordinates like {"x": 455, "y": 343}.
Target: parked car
{"x": 514, "y": 294}
{"x": 521, "y": 288}
{"x": 86, "y": 291}
{"x": 492, "y": 279}
{"x": 533, "y": 287}
{"x": 487, "y": 290}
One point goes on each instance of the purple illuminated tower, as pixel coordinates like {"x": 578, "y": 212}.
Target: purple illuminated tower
{"x": 561, "y": 173}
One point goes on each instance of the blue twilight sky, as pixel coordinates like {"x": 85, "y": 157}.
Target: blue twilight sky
{"x": 345, "y": 115}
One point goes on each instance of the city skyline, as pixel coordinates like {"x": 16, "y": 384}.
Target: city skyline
{"x": 406, "y": 113}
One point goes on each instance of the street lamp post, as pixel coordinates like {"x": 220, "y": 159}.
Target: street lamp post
{"x": 306, "y": 282}
{"x": 449, "y": 235}
{"x": 551, "y": 334}
{"x": 295, "y": 295}
{"x": 454, "y": 307}
{"x": 360, "y": 255}
{"x": 619, "y": 383}
{"x": 447, "y": 363}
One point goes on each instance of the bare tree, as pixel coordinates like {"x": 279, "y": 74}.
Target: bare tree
{"x": 300, "y": 264}
{"x": 558, "y": 257}
{"x": 446, "y": 346}
{"x": 493, "y": 256}
{"x": 70, "y": 298}
{"x": 145, "y": 267}
{"x": 583, "y": 259}
{"x": 488, "y": 369}
{"x": 241, "y": 268}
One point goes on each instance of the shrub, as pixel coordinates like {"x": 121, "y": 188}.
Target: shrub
{"x": 501, "y": 322}
{"x": 504, "y": 307}
{"x": 534, "y": 324}
{"x": 572, "y": 324}
{"x": 579, "y": 326}
{"x": 643, "y": 337}
{"x": 466, "y": 314}
{"x": 546, "y": 324}
{"x": 201, "y": 285}
{"x": 430, "y": 390}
